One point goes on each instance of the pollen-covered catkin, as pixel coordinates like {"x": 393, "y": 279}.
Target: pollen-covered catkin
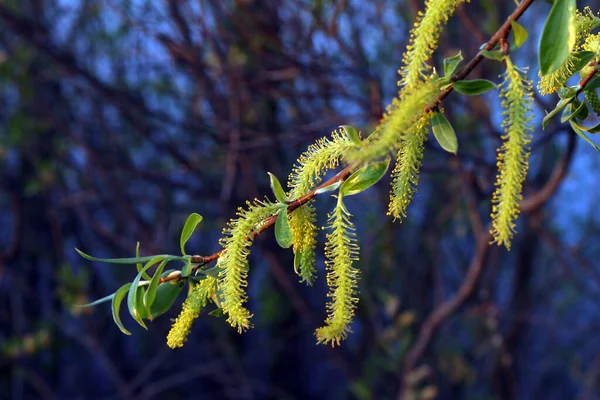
{"x": 323, "y": 155}
{"x": 424, "y": 39}
{"x": 405, "y": 176}
{"x": 341, "y": 252}
{"x": 234, "y": 261}
{"x": 423, "y": 42}
{"x": 517, "y": 102}
{"x": 592, "y": 97}
{"x": 192, "y": 306}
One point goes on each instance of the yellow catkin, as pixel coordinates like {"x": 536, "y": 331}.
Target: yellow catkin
{"x": 192, "y": 306}
{"x": 517, "y": 102}
{"x": 233, "y": 262}
{"x": 341, "y": 251}
{"x": 403, "y": 114}
{"x": 411, "y": 136}
{"x": 321, "y": 156}
{"x": 405, "y": 176}
{"x": 424, "y": 39}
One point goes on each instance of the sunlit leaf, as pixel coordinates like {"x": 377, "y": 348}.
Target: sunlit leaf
{"x": 116, "y": 305}
{"x": 473, "y": 87}
{"x": 283, "y": 234}
{"x": 188, "y": 229}
{"x": 364, "y": 178}
{"x": 444, "y": 133}
{"x": 558, "y": 36}
{"x": 277, "y": 189}
{"x": 451, "y": 63}
{"x": 520, "y": 34}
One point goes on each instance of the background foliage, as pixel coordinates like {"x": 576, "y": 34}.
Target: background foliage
{"x": 120, "y": 118}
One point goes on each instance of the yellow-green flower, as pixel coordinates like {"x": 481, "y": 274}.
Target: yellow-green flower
{"x": 405, "y": 176}
{"x": 323, "y": 155}
{"x": 192, "y": 306}
{"x": 341, "y": 252}
{"x": 517, "y": 101}
{"x": 234, "y": 261}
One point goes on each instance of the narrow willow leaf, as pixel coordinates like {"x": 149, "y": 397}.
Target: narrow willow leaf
{"x": 520, "y": 34}
{"x": 283, "y": 234}
{"x": 589, "y": 129}
{"x": 139, "y": 265}
{"x": 582, "y": 135}
{"x": 496, "y": 55}
{"x": 574, "y": 110}
{"x": 364, "y": 178}
{"x": 153, "y": 287}
{"x": 328, "y": 188}
{"x": 473, "y": 87}
{"x": 451, "y": 63}
{"x": 187, "y": 268}
{"x": 95, "y": 303}
{"x": 188, "y": 229}
{"x": 558, "y": 36}
{"x": 444, "y": 133}
{"x": 116, "y": 305}
{"x": 352, "y": 133}
{"x": 139, "y": 303}
{"x": 132, "y": 295}
{"x": 277, "y": 189}
{"x": 562, "y": 103}
{"x": 166, "y": 294}
{"x": 217, "y": 312}
{"x": 129, "y": 260}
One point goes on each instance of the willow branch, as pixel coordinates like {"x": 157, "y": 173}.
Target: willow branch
{"x": 346, "y": 172}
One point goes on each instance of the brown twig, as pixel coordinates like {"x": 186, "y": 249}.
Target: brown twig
{"x": 588, "y": 78}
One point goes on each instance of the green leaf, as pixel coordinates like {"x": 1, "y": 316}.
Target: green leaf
{"x": 593, "y": 83}
{"x": 212, "y": 272}
{"x": 328, "y": 188}
{"x": 139, "y": 266}
{"x": 589, "y": 129}
{"x": 580, "y": 111}
{"x": 153, "y": 287}
{"x": 190, "y": 226}
{"x": 132, "y": 295}
{"x": 582, "y": 59}
{"x": 277, "y": 189}
{"x": 451, "y": 63}
{"x": 492, "y": 55}
{"x": 364, "y": 178}
{"x": 520, "y": 34}
{"x": 558, "y": 36}
{"x": 166, "y": 295}
{"x": 473, "y": 87}
{"x": 217, "y": 312}
{"x": 352, "y": 133}
{"x": 187, "y": 268}
{"x": 283, "y": 234}
{"x": 116, "y": 305}
{"x": 139, "y": 303}
{"x": 562, "y": 103}
{"x": 444, "y": 133}
{"x": 583, "y": 135}
{"x": 95, "y": 303}
{"x": 129, "y": 260}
